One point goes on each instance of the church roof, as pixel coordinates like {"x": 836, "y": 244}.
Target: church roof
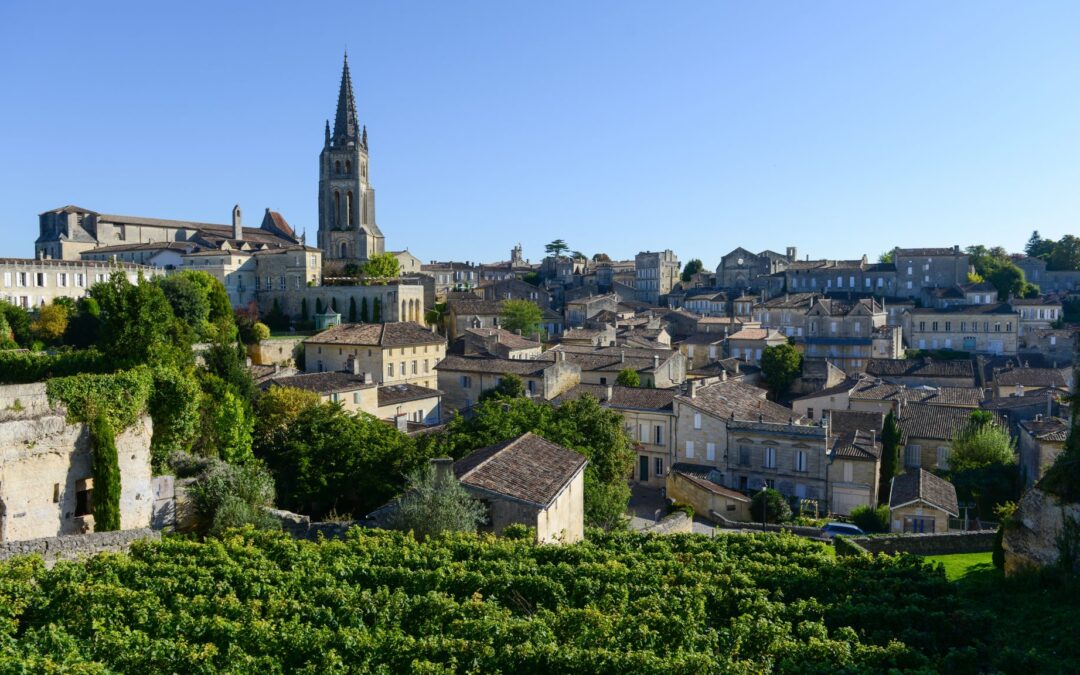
{"x": 345, "y": 123}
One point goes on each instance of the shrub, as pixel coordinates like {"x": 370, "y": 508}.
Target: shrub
{"x": 628, "y": 377}
{"x": 846, "y": 548}
{"x": 435, "y": 503}
{"x": 225, "y": 495}
{"x": 769, "y": 505}
{"x": 260, "y": 331}
{"x": 682, "y": 508}
{"x": 869, "y": 519}
{"x": 106, "y": 469}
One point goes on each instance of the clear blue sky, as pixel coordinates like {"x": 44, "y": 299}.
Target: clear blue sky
{"x": 840, "y": 128}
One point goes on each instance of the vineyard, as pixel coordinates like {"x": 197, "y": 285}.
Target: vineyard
{"x": 381, "y": 602}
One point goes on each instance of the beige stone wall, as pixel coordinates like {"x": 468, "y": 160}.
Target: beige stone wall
{"x": 419, "y": 361}
{"x": 276, "y": 350}
{"x": 896, "y": 517}
{"x": 641, "y": 425}
{"x": 31, "y": 283}
{"x": 928, "y": 452}
{"x": 703, "y": 501}
{"x": 802, "y": 407}
{"x": 713, "y": 430}
{"x": 1001, "y": 338}
{"x": 43, "y": 459}
{"x": 426, "y": 410}
{"x": 1035, "y": 457}
{"x": 861, "y": 489}
{"x": 564, "y": 521}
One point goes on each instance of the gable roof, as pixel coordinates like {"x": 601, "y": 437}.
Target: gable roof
{"x": 737, "y": 400}
{"x": 920, "y": 368}
{"x": 390, "y": 394}
{"x": 1032, "y": 377}
{"x": 397, "y": 334}
{"x": 527, "y": 468}
{"x": 1050, "y": 429}
{"x": 692, "y": 474}
{"x": 321, "y": 383}
{"x": 856, "y": 434}
{"x": 492, "y": 364}
{"x": 934, "y": 422}
{"x": 481, "y": 307}
{"x": 919, "y": 485}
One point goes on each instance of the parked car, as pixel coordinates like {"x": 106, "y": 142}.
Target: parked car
{"x": 846, "y": 529}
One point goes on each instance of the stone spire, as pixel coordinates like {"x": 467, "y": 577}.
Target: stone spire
{"x": 326, "y": 143}
{"x": 345, "y": 126}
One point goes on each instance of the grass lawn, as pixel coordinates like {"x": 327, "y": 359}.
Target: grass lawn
{"x": 959, "y": 565}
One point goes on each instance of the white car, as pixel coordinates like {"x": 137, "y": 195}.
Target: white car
{"x": 846, "y": 529}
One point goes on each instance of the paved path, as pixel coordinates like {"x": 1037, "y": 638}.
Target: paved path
{"x": 645, "y": 502}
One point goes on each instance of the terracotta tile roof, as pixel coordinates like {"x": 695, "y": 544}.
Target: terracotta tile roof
{"x": 876, "y": 390}
{"x": 1031, "y": 398}
{"x": 1032, "y": 377}
{"x": 756, "y": 334}
{"x": 702, "y": 339}
{"x": 695, "y": 477}
{"x": 321, "y": 383}
{"x": 504, "y": 337}
{"x": 842, "y": 388}
{"x": 920, "y": 368}
{"x": 1050, "y": 429}
{"x": 492, "y": 364}
{"x": 639, "y": 398}
{"x": 855, "y": 434}
{"x": 390, "y": 394}
{"x": 398, "y": 334}
{"x": 611, "y": 359}
{"x": 921, "y": 485}
{"x": 936, "y": 422}
{"x": 746, "y": 402}
{"x": 527, "y": 468}
{"x": 481, "y": 307}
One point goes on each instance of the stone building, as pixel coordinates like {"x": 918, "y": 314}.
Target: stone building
{"x": 928, "y": 431}
{"x": 740, "y": 269}
{"x": 462, "y": 315}
{"x": 924, "y": 372}
{"x": 579, "y": 311}
{"x": 529, "y": 481}
{"x": 347, "y": 228}
{"x": 397, "y": 300}
{"x": 920, "y": 502}
{"x": 854, "y": 459}
{"x": 918, "y": 268}
{"x": 985, "y": 329}
{"x": 515, "y": 289}
{"x": 840, "y": 276}
{"x": 786, "y": 313}
{"x": 657, "y": 368}
{"x": 496, "y": 342}
{"x": 845, "y": 333}
{"x": 30, "y": 283}
{"x": 393, "y": 353}
{"x": 1041, "y": 441}
{"x": 656, "y": 273}
{"x": 358, "y": 393}
{"x": 46, "y": 476}
{"x": 462, "y": 379}
{"x": 750, "y": 343}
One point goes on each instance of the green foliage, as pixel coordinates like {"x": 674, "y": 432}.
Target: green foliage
{"x": 532, "y": 278}
{"x": 376, "y": 311}
{"x": 436, "y": 503}
{"x": 509, "y": 386}
{"x": 304, "y": 316}
{"x": 120, "y": 397}
{"x": 174, "y": 408}
{"x": 1063, "y": 476}
{"x": 582, "y": 425}
{"x": 190, "y": 301}
{"x": 845, "y": 548}
{"x": 226, "y": 421}
{"x": 891, "y": 435}
{"x": 886, "y": 257}
{"x": 981, "y": 443}
{"x": 996, "y": 266}
{"x": 691, "y": 268}
{"x": 382, "y": 266}
{"x": 18, "y": 322}
{"x": 226, "y": 495}
{"x": 229, "y": 362}
{"x": 434, "y": 315}
{"x": 83, "y": 324}
{"x": 260, "y": 331}
{"x": 106, "y": 470}
{"x": 138, "y": 325}
{"x": 1037, "y": 247}
{"x": 50, "y": 323}
{"x": 7, "y": 338}
{"x": 781, "y": 365}
{"x": 556, "y": 248}
{"x": 680, "y": 507}
{"x": 769, "y": 505}
{"x": 22, "y": 367}
{"x": 364, "y": 316}
{"x": 522, "y": 316}
{"x": 275, "y": 318}
{"x": 383, "y": 602}
{"x": 628, "y": 377}
{"x": 352, "y": 309}
{"x": 870, "y": 519}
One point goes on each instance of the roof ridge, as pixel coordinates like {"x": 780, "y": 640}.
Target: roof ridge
{"x": 505, "y": 446}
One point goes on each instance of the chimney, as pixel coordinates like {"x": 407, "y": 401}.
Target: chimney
{"x": 237, "y": 228}
{"x": 277, "y": 368}
{"x": 1020, "y": 390}
{"x": 1049, "y": 405}
{"x": 723, "y": 374}
{"x": 355, "y": 365}
{"x": 402, "y": 424}
{"x": 622, "y": 356}
{"x": 693, "y": 384}
{"x": 607, "y": 393}
{"x": 443, "y": 468}
{"x": 655, "y": 361}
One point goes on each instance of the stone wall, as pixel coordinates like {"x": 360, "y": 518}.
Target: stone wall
{"x": 676, "y": 523}
{"x": 942, "y": 543}
{"x": 301, "y": 527}
{"x": 23, "y": 399}
{"x": 74, "y": 546}
{"x": 1032, "y": 540}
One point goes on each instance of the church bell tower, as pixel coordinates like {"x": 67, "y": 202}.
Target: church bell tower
{"x": 347, "y": 229}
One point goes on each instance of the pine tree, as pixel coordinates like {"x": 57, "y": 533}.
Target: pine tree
{"x": 318, "y": 306}
{"x": 303, "y": 310}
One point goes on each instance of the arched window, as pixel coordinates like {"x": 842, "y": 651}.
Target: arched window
{"x": 337, "y": 207}
{"x": 348, "y": 166}
{"x": 349, "y": 208}
{"x": 344, "y": 250}
{"x": 337, "y": 167}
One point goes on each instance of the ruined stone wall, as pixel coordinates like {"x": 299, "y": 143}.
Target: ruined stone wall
{"x": 1033, "y": 539}
{"x": 74, "y": 546}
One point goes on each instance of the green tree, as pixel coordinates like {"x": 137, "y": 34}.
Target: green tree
{"x": 980, "y": 443}
{"x": 1065, "y": 254}
{"x": 382, "y": 266}
{"x": 436, "y": 503}
{"x": 434, "y": 315}
{"x": 522, "y": 316}
{"x": 304, "y": 316}
{"x": 870, "y": 519}
{"x": 18, "y": 321}
{"x": 175, "y": 411}
{"x": 319, "y": 308}
{"x": 628, "y": 377}
{"x": 691, "y": 268}
{"x": 509, "y": 386}
{"x": 276, "y": 318}
{"x": 364, "y": 316}
{"x": 227, "y": 495}
{"x": 50, "y": 323}
{"x": 276, "y": 409}
{"x": 7, "y": 339}
{"x": 352, "y": 309}
{"x": 138, "y": 325}
{"x": 532, "y": 278}
{"x": 781, "y": 365}
{"x": 189, "y": 300}
{"x": 996, "y": 267}
{"x": 226, "y": 422}
{"x": 106, "y": 469}
{"x": 891, "y": 435}
{"x": 556, "y": 248}
{"x": 1037, "y": 247}
{"x": 769, "y": 505}
{"x": 886, "y": 257}
{"x": 376, "y": 311}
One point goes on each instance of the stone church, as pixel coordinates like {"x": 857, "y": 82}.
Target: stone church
{"x": 347, "y": 228}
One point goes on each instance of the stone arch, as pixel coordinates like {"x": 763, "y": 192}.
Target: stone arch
{"x": 344, "y": 250}
{"x": 337, "y": 167}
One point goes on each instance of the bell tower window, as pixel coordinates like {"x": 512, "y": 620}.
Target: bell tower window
{"x": 337, "y": 207}
{"x": 348, "y": 167}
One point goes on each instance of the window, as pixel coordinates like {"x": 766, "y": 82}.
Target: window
{"x": 912, "y": 456}
{"x": 61, "y": 279}
{"x": 697, "y": 420}
{"x": 39, "y": 279}
{"x": 770, "y": 458}
{"x": 744, "y": 455}
{"x": 918, "y": 524}
{"x": 770, "y": 483}
{"x": 403, "y": 371}
{"x": 810, "y": 413}
{"x": 849, "y": 472}
{"x": 84, "y": 495}
{"x": 800, "y": 460}
{"x": 658, "y": 435}
{"x": 281, "y": 282}
{"x": 390, "y": 369}
{"x": 933, "y": 326}
{"x": 415, "y": 368}
{"x": 658, "y": 466}
{"x": 466, "y": 382}
{"x": 426, "y": 366}
{"x": 943, "y": 457}
{"x": 710, "y": 451}
{"x": 689, "y": 449}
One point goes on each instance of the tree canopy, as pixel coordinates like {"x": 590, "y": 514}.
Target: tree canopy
{"x": 382, "y": 266}
{"x": 522, "y": 316}
{"x": 556, "y": 248}
{"x": 781, "y": 365}
{"x": 628, "y": 377}
{"x": 997, "y": 268}
{"x": 692, "y": 267}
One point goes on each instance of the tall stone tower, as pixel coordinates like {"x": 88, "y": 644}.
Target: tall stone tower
{"x": 347, "y": 229}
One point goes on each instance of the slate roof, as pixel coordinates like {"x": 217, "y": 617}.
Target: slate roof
{"x": 920, "y": 368}
{"x": 492, "y": 364}
{"x": 936, "y": 422}
{"x": 756, "y": 334}
{"x": 639, "y": 398}
{"x": 997, "y": 308}
{"x": 1051, "y": 429}
{"x": 527, "y": 468}
{"x": 702, "y": 339}
{"x": 321, "y": 383}
{"x": 916, "y": 252}
{"x": 391, "y": 394}
{"x": 876, "y": 390}
{"x": 746, "y": 402}
{"x": 480, "y": 307}
{"x": 1032, "y": 377}
{"x": 855, "y": 434}
{"x": 921, "y": 485}
{"x": 789, "y": 300}
{"x": 397, "y": 334}
{"x": 505, "y": 337}
{"x": 695, "y": 477}
{"x": 610, "y": 359}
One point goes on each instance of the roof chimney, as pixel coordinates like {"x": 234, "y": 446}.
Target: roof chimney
{"x": 656, "y": 361}
{"x": 355, "y": 365}
{"x": 237, "y": 228}
{"x": 622, "y": 356}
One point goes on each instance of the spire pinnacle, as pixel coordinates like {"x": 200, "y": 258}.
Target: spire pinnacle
{"x": 345, "y": 126}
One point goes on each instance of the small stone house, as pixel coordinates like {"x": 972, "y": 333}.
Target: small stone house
{"x": 920, "y": 502}
{"x": 749, "y": 343}
{"x": 393, "y": 353}
{"x": 359, "y": 393}
{"x": 530, "y": 481}
{"x": 690, "y": 484}
{"x": 1041, "y": 441}
{"x": 462, "y": 379}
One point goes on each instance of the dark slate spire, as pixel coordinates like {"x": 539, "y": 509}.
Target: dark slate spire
{"x": 345, "y": 126}
{"x": 363, "y": 137}
{"x": 327, "y": 141}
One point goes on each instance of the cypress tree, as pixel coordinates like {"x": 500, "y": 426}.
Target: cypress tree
{"x": 303, "y": 310}
{"x": 352, "y": 310}
{"x": 318, "y": 306}
{"x": 333, "y": 305}
{"x": 376, "y": 313}
{"x": 364, "y": 311}
{"x": 106, "y": 469}
{"x": 890, "y": 455}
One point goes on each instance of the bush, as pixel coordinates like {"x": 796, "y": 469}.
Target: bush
{"x": 869, "y": 519}
{"x": 680, "y": 507}
{"x": 225, "y": 495}
{"x": 106, "y": 469}
{"x": 847, "y": 548}
{"x": 260, "y": 331}
{"x": 628, "y": 377}
{"x": 22, "y": 367}
{"x": 437, "y": 503}
{"x": 778, "y": 509}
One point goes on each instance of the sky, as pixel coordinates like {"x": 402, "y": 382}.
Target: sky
{"x": 840, "y": 128}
